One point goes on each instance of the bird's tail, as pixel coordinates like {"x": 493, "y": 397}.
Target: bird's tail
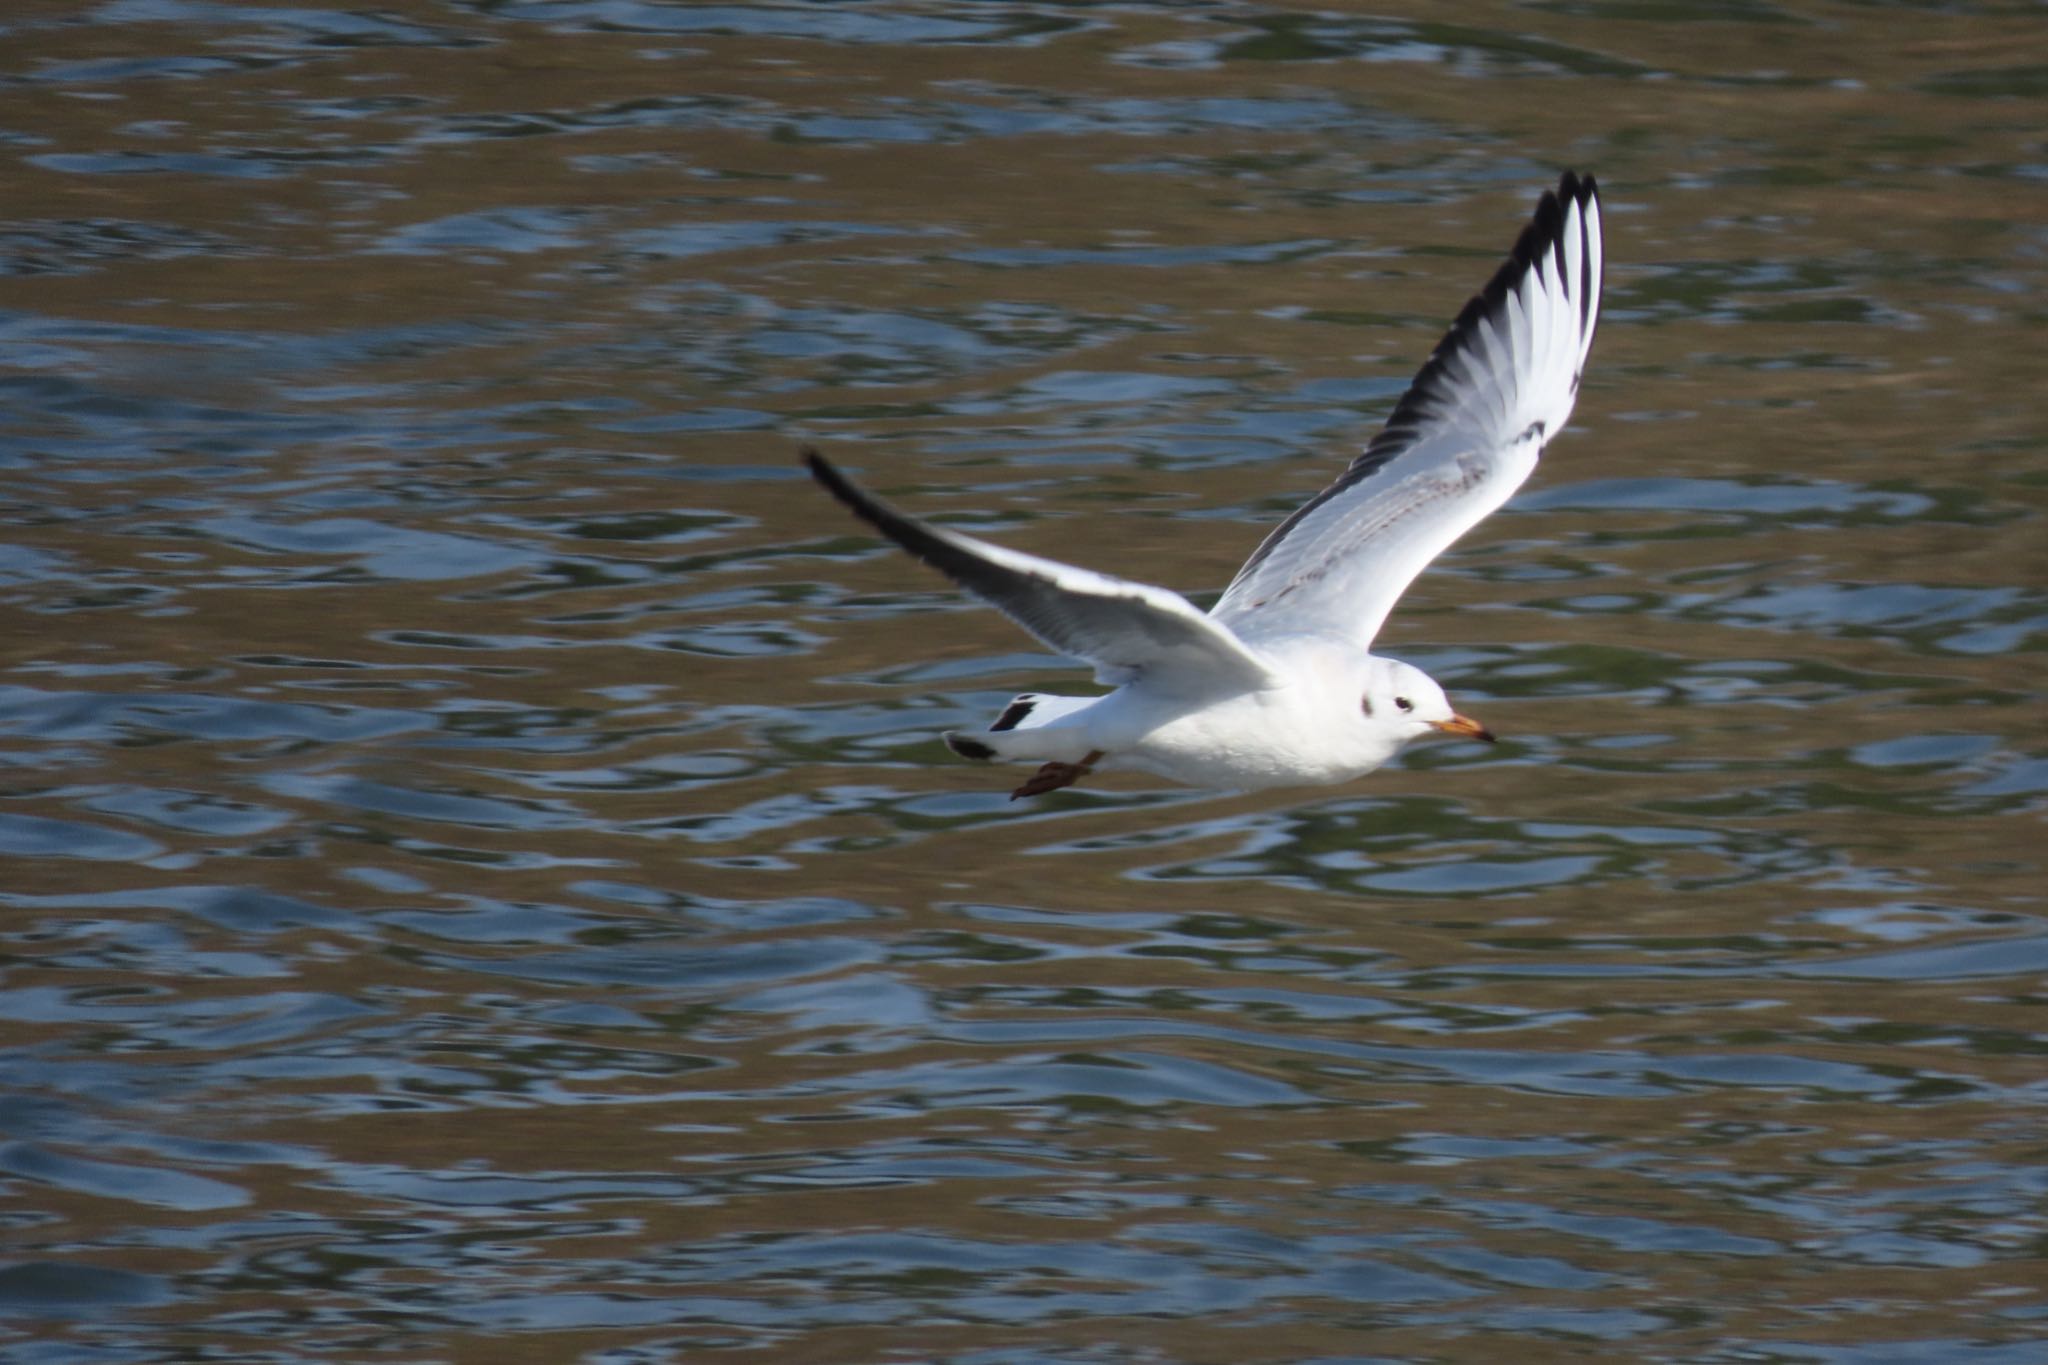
{"x": 1028, "y": 729}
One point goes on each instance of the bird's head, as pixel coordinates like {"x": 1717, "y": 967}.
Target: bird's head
{"x": 1403, "y": 698}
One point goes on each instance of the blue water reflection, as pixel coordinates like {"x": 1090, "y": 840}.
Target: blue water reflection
{"x": 479, "y": 876}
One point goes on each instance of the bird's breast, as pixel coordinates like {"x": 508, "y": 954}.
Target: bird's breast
{"x": 1284, "y": 737}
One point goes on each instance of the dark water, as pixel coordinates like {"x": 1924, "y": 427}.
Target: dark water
{"x": 480, "y": 882}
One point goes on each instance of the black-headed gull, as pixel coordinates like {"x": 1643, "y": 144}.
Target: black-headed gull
{"x": 1276, "y": 685}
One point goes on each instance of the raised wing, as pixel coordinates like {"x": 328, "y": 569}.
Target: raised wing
{"x": 1465, "y": 436}
{"x": 1125, "y": 629}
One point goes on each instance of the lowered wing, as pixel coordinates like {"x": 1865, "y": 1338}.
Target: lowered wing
{"x": 1127, "y": 630}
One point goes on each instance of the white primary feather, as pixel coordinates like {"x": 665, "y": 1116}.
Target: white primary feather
{"x": 1461, "y": 440}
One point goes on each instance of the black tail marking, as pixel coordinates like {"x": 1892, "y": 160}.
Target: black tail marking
{"x": 969, "y": 748}
{"x": 1013, "y": 714}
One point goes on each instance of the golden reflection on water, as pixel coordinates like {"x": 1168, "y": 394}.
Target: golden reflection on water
{"x": 482, "y": 878}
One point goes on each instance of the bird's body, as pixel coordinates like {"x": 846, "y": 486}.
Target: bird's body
{"x": 1300, "y": 732}
{"x": 1276, "y": 685}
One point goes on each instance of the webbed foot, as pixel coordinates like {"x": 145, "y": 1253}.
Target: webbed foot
{"x": 1053, "y": 776}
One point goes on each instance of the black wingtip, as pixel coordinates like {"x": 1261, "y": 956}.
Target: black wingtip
{"x": 857, "y": 499}
{"x": 1544, "y": 231}
{"x": 849, "y": 493}
{"x": 826, "y": 473}
{"x": 968, "y": 748}
{"x": 911, "y": 535}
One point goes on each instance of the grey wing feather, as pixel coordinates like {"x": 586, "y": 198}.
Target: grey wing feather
{"x": 1464, "y": 436}
{"x": 1125, "y": 629}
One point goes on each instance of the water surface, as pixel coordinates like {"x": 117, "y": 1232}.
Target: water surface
{"x": 480, "y": 879}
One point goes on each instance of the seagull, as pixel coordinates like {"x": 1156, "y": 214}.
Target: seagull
{"x": 1276, "y": 685}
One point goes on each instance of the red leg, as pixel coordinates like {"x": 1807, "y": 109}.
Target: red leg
{"x": 1053, "y": 776}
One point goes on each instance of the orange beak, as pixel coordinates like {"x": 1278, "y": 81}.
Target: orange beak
{"x": 1465, "y": 726}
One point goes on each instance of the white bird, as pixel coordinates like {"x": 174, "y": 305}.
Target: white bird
{"x": 1276, "y": 684}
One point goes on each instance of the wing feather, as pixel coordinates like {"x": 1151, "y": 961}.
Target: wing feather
{"x": 1125, "y": 629}
{"x": 1464, "y": 436}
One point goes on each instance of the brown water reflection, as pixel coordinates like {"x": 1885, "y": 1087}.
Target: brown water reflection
{"x": 481, "y": 881}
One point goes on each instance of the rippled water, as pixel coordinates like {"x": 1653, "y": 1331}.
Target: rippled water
{"x": 480, "y": 880}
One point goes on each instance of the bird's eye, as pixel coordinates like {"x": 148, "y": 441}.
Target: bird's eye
{"x": 1365, "y": 704}
{"x": 1404, "y": 703}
